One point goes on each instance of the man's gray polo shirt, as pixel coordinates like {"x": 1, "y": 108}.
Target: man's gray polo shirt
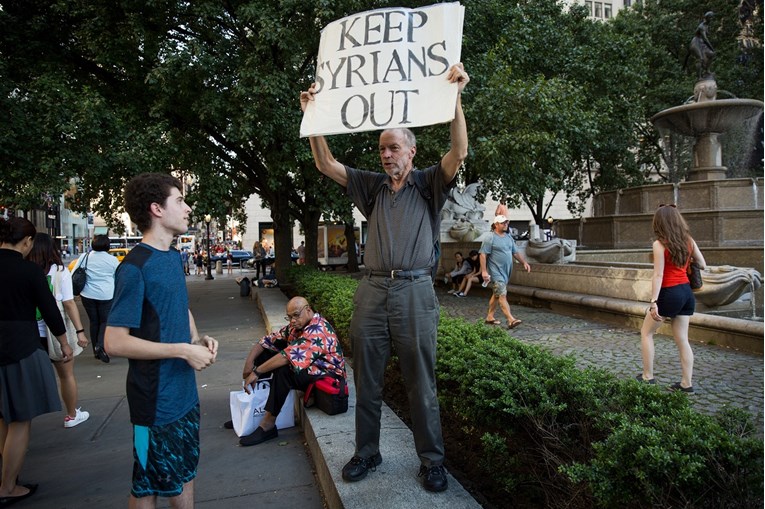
{"x": 401, "y": 224}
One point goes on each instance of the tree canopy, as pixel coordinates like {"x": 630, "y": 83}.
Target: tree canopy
{"x": 96, "y": 91}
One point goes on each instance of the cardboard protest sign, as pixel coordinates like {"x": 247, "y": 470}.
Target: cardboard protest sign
{"x": 386, "y": 68}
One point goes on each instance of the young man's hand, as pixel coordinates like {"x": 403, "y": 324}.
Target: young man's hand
{"x": 199, "y": 356}
{"x": 210, "y": 343}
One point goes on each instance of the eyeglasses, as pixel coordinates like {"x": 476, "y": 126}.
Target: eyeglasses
{"x": 296, "y": 314}
{"x": 667, "y": 205}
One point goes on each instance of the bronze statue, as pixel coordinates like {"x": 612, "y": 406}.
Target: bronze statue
{"x": 701, "y": 48}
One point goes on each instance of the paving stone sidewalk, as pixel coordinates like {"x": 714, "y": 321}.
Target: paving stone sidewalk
{"x": 721, "y": 376}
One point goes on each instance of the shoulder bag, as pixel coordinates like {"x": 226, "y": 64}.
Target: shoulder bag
{"x": 80, "y": 276}
{"x": 694, "y": 276}
{"x": 694, "y": 272}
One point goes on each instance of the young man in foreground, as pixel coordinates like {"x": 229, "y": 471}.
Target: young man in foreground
{"x": 150, "y": 323}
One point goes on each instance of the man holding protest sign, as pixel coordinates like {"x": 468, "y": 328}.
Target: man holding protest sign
{"x": 395, "y": 301}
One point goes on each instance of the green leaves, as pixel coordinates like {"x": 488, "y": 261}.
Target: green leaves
{"x": 564, "y": 437}
{"x": 550, "y": 100}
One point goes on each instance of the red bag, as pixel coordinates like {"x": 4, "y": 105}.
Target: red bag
{"x": 331, "y": 395}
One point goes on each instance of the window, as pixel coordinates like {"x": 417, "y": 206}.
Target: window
{"x": 607, "y": 11}
{"x": 589, "y": 7}
{"x": 598, "y": 10}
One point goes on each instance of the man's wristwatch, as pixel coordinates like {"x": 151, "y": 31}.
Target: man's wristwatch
{"x": 79, "y": 331}
{"x": 256, "y": 372}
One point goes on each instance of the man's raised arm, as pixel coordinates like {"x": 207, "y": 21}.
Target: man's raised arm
{"x": 325, "y": 162}
{"x": 453, "y": 159}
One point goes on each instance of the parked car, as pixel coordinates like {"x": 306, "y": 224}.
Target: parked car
{"x": 239, "y": 256}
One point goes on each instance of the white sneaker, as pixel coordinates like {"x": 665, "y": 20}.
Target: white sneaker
{"x": 459, "y": 294}
{"x": 79, "y": 417}
{"x": 452, "y": 292}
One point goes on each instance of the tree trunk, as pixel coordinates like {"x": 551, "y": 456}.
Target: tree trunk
{"x": 311, "y": 230}
{"x": 282, "y": 236}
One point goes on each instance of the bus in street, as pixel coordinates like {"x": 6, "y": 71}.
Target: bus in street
{"x": 125, "y": 242}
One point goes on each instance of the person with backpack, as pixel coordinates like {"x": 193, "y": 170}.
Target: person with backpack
{"x": 395, "y": 301}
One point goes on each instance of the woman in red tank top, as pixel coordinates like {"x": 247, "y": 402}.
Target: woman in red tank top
{"x": 671, "y": 294}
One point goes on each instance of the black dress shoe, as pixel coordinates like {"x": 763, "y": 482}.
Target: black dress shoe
{"x": 435, "y": 478}
{"x": 228, "y": 424}
{"x": 258, "y": 436}
{"x": 358, "y": 467}
{"x": 102, "y": 355}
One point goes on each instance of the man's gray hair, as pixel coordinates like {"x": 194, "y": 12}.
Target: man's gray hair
{"x": 411, "y": 139}
{"x": 409, "y": 136}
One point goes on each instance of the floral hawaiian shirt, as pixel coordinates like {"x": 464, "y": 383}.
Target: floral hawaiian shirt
{"x": 314, "y": 348}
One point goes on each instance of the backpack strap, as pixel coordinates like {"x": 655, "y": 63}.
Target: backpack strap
{"x": 307, "y": 393}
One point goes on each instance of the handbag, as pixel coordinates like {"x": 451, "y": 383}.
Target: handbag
{"x": 694, "y": 276}
{"x": 54, "y": 347}
{"x": 248, "y": 409}
{"x": 331, "y": 395}
{"x": 80, "y": 276}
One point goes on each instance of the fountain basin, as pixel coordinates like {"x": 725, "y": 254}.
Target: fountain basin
{"x": 701, "y": 118}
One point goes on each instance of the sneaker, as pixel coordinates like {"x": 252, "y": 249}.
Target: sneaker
{"x": 435, "y": 478}
{"x": 676, "y": 387}
{"x": 358, "y": 467}
{"x": 459, "y": 294}
{"x": 79, "y": 417}
{"x": 649, "y": 381}
{"x": 452, "y": 292}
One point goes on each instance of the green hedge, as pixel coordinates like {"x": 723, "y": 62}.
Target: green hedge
{"x": 557, "y": 436}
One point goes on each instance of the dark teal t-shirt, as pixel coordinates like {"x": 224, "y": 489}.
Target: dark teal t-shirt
{"x": 150, "y": 299}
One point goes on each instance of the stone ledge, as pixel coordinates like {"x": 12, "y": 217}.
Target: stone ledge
{"x": 745, "y": 335}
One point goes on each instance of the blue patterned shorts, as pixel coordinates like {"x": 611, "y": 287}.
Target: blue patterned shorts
{"x": 165, "y": 457}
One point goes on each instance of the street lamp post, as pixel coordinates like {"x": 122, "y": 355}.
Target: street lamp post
{"x": 208, "y": 218}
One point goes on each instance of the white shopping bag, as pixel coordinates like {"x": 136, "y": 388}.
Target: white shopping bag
{"x": 247, "y": 409}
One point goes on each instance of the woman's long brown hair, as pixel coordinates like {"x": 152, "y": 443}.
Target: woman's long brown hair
{"x": 673, "y": 232}
{"x": 45, "y": 253}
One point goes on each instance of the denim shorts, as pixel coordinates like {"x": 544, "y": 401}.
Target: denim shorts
{"x": 676, "y": 300}
{"x": 165, "y": 457}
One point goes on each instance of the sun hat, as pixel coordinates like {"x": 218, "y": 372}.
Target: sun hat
{"x": 500, "y": 219}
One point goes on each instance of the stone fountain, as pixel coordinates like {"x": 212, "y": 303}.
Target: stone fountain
{"x": 706, "y": 119}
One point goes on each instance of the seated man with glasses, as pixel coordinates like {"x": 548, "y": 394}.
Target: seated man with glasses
{"x": 297, "y": 355}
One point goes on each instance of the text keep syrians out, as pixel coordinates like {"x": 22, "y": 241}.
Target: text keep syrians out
{"x": 386, "y": 68}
